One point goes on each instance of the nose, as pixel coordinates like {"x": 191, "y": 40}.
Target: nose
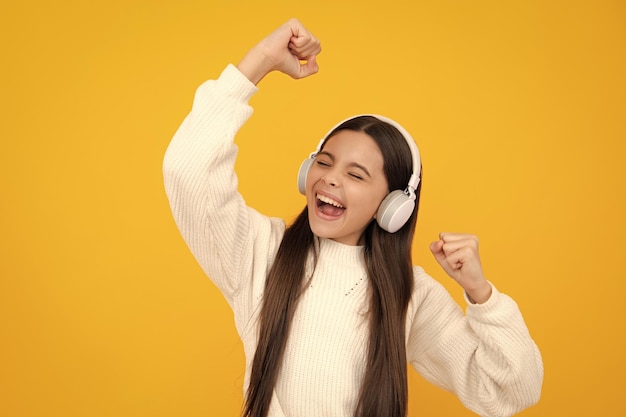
{"x": 330, "y": 178}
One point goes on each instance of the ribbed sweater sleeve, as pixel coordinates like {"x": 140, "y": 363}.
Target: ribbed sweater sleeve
{"x": 486, "y": 356}
{"x": 225, "y": 236}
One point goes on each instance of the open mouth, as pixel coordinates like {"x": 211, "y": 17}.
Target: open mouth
{"x": 328, "y": 206}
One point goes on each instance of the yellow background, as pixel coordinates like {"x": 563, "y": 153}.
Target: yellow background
{"x": 519, "y": 109}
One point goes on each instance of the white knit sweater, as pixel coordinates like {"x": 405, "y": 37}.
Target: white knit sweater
{"x": 486, "y": 357}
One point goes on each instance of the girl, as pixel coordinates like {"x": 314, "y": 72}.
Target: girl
{"x": 330, "y": 309}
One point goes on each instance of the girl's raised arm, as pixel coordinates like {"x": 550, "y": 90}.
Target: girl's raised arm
{"x": 199, "y": 165}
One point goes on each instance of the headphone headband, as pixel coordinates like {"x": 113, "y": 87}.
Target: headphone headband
{"x": 415, "y": 154}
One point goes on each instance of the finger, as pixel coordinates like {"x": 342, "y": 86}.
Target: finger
{"x": 458, "y": 258}
{"x": 302, "y": 52}
{"x": 449, "y": 237}
{"x": 301, "y": 36}
{"x": 455, "y": 245}
{"x": 301, "y": 41}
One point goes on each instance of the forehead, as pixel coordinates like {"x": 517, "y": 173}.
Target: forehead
{"x": 354, "y": 145}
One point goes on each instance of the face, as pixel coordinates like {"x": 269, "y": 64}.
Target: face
{"x": 344, "y": 187}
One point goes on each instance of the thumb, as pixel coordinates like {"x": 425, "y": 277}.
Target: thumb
{"x": 437, "y": 250}
{"x": 309, "y": 67}
{"x": 440, "y": 256}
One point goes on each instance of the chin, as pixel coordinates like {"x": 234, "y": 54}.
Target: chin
{"x": 320, "y": 228}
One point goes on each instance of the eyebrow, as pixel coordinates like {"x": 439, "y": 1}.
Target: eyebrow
{"x": 351, "y": 164}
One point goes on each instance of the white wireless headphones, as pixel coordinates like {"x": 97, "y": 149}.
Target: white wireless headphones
{"x": 396, "y": 208}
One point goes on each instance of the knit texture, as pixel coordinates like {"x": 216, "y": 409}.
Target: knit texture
{"x": 486, "y": 356}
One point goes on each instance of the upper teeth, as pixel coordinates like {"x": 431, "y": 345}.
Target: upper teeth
{"x": 329, "y": 200}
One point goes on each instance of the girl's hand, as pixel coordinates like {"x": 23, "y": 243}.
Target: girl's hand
{"x": 458, "y": 256}
{"x": 290, "y": 49}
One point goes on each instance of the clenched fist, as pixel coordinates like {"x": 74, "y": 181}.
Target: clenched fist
{"x": 458, "y": 256}
{"x": 290, "y": 49}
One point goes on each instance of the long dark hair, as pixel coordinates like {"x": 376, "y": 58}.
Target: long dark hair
{"x": 388, "y": 261}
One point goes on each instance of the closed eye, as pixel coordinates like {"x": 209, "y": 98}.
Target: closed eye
{"x": 325, "y": 159}
{"x": 356, "y": 176}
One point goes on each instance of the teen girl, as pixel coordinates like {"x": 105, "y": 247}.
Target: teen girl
{"x": 330, "y": 309}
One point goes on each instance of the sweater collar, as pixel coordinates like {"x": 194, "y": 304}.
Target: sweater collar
{"x": 333, "y": 251}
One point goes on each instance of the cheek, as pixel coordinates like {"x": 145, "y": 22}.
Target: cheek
{"x": 377, "y": 197}
{"x": 312, "y": 177}
{"x": 309, "y": 182}
{"x": 367, "y": 199}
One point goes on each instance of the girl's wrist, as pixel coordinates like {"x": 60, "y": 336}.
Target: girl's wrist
{"x": 480, "y": 295}
{"x": 254, "y": 65}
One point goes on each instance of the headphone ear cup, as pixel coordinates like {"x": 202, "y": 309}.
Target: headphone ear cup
{"x": 395, "y": 210}
{"x": 302, "y": 173}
